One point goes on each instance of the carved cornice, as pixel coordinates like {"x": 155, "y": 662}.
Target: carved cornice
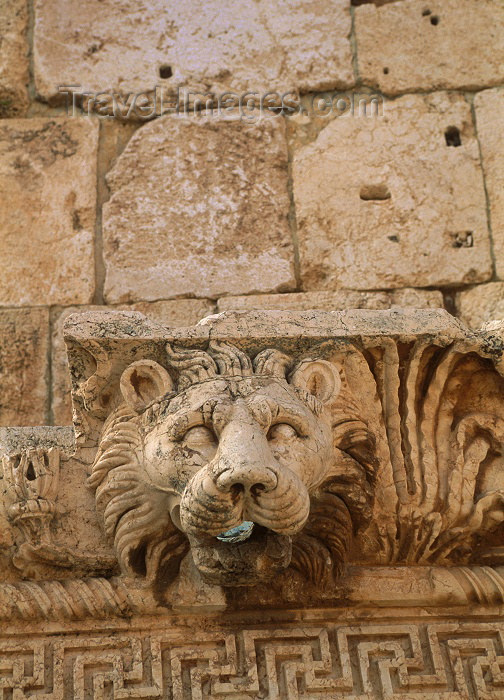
{"x": 383, "y": 430}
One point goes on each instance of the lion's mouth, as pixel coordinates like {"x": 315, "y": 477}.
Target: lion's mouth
{"x": 244, "y": 555}
{"x": 240, "y": 533}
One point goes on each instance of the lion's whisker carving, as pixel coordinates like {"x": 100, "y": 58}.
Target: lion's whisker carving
{"x": 242, "y": 454}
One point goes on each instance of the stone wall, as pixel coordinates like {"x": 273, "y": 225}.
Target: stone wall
{"x": 382, "y": 187}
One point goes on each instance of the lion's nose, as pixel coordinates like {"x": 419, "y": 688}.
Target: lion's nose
{"x": 248, "y": 478}
{"x": 244, "y": 462}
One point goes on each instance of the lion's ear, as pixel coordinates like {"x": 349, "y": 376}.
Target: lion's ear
{"x": 318, "y": 377}
{"x": 142, "y": 382}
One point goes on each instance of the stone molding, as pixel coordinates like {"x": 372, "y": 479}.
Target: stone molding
{"x": 361, "y": 588}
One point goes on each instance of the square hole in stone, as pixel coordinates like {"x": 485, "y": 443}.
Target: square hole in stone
{"x": 452, "y": 136}
{"x": 165, "y": 72}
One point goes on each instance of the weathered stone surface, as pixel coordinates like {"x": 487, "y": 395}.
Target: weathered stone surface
{"x": 24, "y": 336}
{"x": 409, "y": 398}
{"x": 343, "y": 299}
{"x": 47, "y": 210}
{"x": 481, "y": 304}
{"x": 26, "y": 438}
{"x": 176, "y": 312}
{"x": 489, "y": 106}
{"x": 207, "y": 46}
{"x": 367, "y": 443}
{"x": 198, "y": 206}
{"x": 13, "y": 58}
{"x": 439, "y": 44}
{"x": 386, "y": 202}
{"x": 203, "y": 417}
{"x": 179, "y": 312}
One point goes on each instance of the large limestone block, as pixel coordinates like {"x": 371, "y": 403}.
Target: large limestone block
{"x": 439, "y": 44}
{"x": 13, "y": 58}
{"x": 24, "y": 337}
{"x": 385, "y": 202}
{"x": 47, "y": 210}
{"x": 214, "y": 45}
{"x": 198, "y": 207}
{"x": 334, "y": 301}
{"x": 179, "y": 312}
{"x": 481, "y": 304}
{"x": 489, "y": 106}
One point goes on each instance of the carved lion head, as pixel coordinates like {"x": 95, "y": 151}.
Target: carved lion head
{"x": 252, "y": 466}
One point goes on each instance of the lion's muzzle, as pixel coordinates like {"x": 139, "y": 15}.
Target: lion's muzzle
{"x": 244, "y": 482}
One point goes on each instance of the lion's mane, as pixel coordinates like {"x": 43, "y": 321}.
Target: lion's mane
{"x": 135, "y": 514}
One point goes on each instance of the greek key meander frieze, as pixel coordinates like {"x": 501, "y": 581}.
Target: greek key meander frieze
{"x": 440, "y": 661}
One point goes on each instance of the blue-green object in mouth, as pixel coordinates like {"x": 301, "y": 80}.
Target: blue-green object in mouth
{"x": 240, "y": 533}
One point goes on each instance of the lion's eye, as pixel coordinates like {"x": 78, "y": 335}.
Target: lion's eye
{"x": 198, "y": 436}
{"x": 282, "y": 430}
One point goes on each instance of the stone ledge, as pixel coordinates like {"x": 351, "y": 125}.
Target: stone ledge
{"x": 370, "y": 592}
{"x": 310, "y": 325}
{"x": 176, "y": 312}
